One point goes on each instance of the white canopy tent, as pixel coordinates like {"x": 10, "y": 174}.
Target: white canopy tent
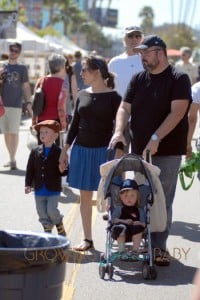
{"x": 30, "y": 41}
{"x": 34, "y": 50}
{"x": 67, "y": 45}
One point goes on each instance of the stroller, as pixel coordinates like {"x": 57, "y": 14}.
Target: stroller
{"x": 152, "y": 202}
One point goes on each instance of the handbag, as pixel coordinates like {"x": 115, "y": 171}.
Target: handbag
{"x": 39, "y": 100}
{"x": 2, "y": 108}
{"x": 188, "y": 169}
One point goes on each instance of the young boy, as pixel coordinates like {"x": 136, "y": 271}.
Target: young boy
{"x": 128, "y": 220}
{"x": 42, "y": 173}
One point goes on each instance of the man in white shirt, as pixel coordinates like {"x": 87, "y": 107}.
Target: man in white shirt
{"x": 125, "y": 65}
{"x": 185, "y": 65}
{"x": 193, "y": 116}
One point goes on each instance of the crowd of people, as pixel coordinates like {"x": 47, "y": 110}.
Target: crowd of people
{"x": 136, "y": 102}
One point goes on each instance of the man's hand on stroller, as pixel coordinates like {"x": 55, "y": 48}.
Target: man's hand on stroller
{"x": 152, "y": 146}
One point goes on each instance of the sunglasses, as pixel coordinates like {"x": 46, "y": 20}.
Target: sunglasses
{"x": 133, "y": 35}
{"x": 14, "y": 50}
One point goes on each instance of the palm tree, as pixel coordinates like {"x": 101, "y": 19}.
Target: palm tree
{"x": 147, "y": 15}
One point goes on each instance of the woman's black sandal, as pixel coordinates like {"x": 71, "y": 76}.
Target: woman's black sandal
{"x": 85, "y": 245}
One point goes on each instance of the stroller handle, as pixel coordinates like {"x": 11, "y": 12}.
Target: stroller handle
{"x": 109, "y": 155}
{"x": 148, "y": 157}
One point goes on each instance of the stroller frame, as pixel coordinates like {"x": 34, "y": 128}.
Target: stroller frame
{"x": 133, "y": 163}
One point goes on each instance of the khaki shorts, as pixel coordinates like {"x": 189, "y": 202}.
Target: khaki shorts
{"x": 10, "y": 121}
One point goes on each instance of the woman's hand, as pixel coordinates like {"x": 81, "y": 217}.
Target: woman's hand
{"x": 117, "y": 137}
{"x": 63, "y": 161}
{"x": 27, "y": 189}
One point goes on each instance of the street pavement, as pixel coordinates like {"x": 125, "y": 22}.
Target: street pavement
{"x": 82, "y": 280}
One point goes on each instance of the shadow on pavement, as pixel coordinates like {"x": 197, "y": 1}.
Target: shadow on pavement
{"x": 175, "y": 274}
{"x": 70, "y": 197}
{"x": 16, "y": 172}
{"x": 77, "y": 257}
{"x": 189, "y": 231}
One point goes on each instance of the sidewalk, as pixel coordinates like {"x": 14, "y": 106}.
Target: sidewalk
{"x": 82, "y": 278}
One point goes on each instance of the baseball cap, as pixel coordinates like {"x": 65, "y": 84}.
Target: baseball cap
{"x": 129, "y": 184}
{"x": 133, "y": 29}
{"x": 150, "y": 41}
{"x": 48, "y": 123}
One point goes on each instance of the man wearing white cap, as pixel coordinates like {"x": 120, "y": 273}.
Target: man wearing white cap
{"x": 125, "y": 65}
{"x": 128, "y": 63}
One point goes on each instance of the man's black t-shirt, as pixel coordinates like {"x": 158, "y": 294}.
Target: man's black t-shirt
{"x": 150, "y": 97}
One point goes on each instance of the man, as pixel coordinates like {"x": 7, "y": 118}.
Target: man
{"x": 186, "y": 66}
{"x": 77, "y": 66}
{"x": 157, "y": 100}
{"x": 125, "y": 65}
{"x": 193, "y": 120}
{"x": 193, "y": 114}
{"x": 14, "y": 83}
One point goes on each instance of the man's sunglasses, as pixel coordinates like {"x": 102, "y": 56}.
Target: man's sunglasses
{"x": 133, "y": 35}
{"x": 14, "y": 50}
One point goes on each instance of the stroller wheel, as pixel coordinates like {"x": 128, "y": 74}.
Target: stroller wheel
{"x": 149, "y": 272}
{"x": 102, "y": 271}
{"x": 145, "y": 271}
{"x": 110, "y": 270}
{"x": 153, "y": 273}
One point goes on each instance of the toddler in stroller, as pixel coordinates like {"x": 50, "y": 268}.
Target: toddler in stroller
{"x": 128, "y": 219}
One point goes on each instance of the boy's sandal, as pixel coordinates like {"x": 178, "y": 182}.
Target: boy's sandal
{"x": 85, "y": 245}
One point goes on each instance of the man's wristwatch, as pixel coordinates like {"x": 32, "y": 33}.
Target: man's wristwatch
{"x": 155, "y": 137}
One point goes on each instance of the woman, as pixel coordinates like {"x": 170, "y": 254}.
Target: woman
{"x": 90, "y": 132}
{"x": 55, "y": 91}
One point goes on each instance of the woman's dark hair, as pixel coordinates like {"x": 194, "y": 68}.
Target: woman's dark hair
{"x": 99, "y": 63}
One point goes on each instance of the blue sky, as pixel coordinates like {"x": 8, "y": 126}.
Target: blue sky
{"x": 166, "y": 11}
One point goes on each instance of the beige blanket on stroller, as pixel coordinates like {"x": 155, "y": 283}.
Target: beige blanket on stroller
{"x": 158, "y": 213}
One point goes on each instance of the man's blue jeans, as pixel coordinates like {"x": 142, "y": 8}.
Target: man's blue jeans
{"x": 169, "y": 166}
